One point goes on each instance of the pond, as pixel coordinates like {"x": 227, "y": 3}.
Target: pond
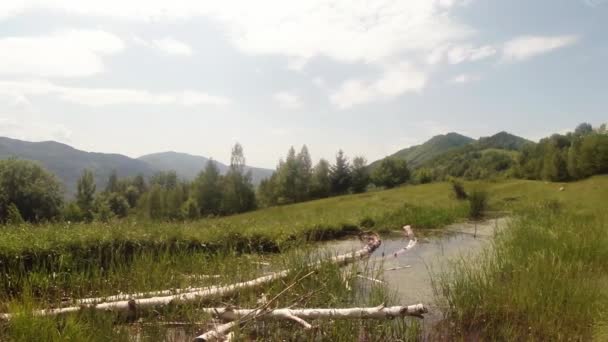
{"x": 409, "y": 275}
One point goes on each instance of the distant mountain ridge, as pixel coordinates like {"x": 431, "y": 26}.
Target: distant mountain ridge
{"x": 67, "y": 163}
{"x": 188, "y": 166}
{"x": 452, "y": 142}
{"x": 503, "y": 140}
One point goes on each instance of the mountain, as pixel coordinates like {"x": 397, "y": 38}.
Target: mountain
{"x": 189, "y": 166}
{"x": 67, "y": 162}
{"x": 437, "y": 145}
{"x": 503, "y": 140}
{"x": 488, "y": 157}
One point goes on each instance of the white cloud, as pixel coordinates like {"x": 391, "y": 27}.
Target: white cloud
{"x": 173, "y": 47}
{"x": 344, "y": 30}
{"x": 32, "y": 128}
{"x": 395, "y": 81}
{"x": 461, "y": 54}
{"x": 464, "y": 78}
{"x": 108, "y": 96}
{"x": 526, "y": 47}
{"x": 287, "y": 100}
{"x": 74, "y": 53}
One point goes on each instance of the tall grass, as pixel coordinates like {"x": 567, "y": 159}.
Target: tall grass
{"x": 327, "y": 287}
{"x": 478, "y": 203}
{"x": 545, "y": 278}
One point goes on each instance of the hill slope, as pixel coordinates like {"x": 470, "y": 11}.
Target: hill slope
{"x": 67, "y": 162}
{"x": 437, "y": 145}
{"x": 503, "y": 140}
{"x": 188, "y": 166}
{"x": 488, "y": 157}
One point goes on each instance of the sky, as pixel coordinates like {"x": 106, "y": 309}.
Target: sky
{"x": 369, "y": 77}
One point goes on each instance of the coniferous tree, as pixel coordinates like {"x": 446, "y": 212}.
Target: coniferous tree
{"x": 340, "y": 176}
{"x": 238, "y": 194}
{"x": 85, "y": 194}
{"x": 321, "y": 183}
{"x": 360, "y": 175}
{"x": 303, "y": 175}
{"x": 287, "y": 178}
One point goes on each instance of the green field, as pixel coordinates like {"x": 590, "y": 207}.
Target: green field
{"x": 562, "y": 231}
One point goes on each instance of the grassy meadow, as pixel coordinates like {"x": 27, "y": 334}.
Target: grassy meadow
{"x": 543, "y": 279}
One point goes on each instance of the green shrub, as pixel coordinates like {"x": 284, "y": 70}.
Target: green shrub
{"x": 478, "y": 202}
{"x": 13, "y": 215}
{"x": 459, "y": 191}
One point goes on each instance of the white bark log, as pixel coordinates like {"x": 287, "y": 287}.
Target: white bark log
{"x": 380, "y": 312}
{"x": 409, "y": 233}
{"x": 219, "y": 333}
{"x": 123, "y": 302}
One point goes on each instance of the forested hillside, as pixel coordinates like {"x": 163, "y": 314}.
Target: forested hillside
{"x": 437, "y": 145}
{"x": 488, "y": 157}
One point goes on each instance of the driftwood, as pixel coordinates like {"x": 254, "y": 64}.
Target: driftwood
{"x": 301, "y": 315}
{"x": 409, "y": 233}
{"x": 127, "y": 302}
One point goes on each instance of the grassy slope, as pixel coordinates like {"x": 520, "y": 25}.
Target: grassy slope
{"x": 277, "y": 225}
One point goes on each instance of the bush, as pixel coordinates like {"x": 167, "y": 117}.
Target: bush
{"x": 32, "y": 190}
{"x": 459, "y": 191}
{"x": 118, "y": 204}
{"x": 391, "y": 172}
{"x": 103, "y": 213}
{"x": 190, "y": 210}
{"x": 73, "y": 213}
{"x": 367, "y": 222}
{"x": 14, "y": 216}
{"x": 423, "y": 176}
{"x": 478, "y": 202}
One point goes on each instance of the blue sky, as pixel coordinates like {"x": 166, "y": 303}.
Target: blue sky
{"x": 370, "y": 77}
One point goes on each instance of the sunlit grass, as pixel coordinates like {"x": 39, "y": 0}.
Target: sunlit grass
{"x": 544, "y": 279}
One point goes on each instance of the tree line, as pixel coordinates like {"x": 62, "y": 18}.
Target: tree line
{"x": 30, "y": 193}
{"x": 564, "y": 157}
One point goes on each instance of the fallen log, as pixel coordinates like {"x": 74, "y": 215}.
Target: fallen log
{"x": 409, "y": 233}
{"x": 127, "y": 302}
{"x": 301, "y": 315}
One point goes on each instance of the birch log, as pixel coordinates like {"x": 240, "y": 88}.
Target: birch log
{"x": 409, "y": 233}
{"x": 380, "y": 312}
{"x": 372, "y": 242}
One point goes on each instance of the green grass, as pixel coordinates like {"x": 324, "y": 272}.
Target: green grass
{"x": 509, "y": 294}
{"x": 325, "y": 288}
{"x": 545, "y": 277}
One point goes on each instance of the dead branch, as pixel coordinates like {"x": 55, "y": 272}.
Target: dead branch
{"x": 303, "y": 315}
